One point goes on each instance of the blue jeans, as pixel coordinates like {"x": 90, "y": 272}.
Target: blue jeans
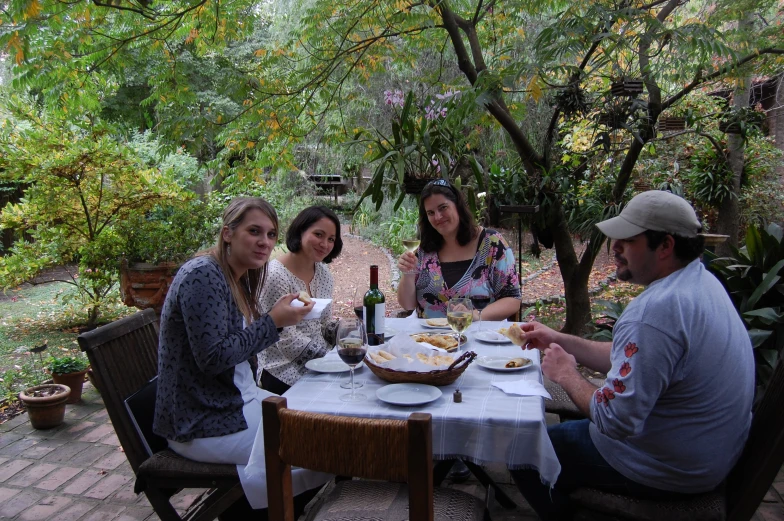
{"x": 581, "y": 465}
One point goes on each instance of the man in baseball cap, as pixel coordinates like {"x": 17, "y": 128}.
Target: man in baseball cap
{"x": 665, "y": 423}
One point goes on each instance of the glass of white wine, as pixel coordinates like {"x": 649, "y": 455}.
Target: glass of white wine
{"x": 459, "y": 315}
{"x": 411, "y": 244}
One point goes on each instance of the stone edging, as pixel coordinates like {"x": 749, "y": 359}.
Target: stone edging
{"x": 394, "y": 273}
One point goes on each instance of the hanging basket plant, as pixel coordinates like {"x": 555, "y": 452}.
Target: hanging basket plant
{"x": 741, "y": 121}
{"x": 627, "y": 87}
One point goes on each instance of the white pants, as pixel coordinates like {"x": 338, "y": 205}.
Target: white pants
{"x": 240, "y": 447}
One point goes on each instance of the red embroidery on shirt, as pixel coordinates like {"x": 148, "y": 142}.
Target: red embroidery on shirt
{"x": 619, "y": 386}
{"x": 625, "y": 369}
{"x": 604, "y": 395}
{"x": 630, "y": 349}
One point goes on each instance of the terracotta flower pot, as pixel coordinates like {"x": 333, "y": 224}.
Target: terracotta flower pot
{"x": 73, "y": 380}
{"x": 45, "y": 411}
{"x": 145, "y": 285}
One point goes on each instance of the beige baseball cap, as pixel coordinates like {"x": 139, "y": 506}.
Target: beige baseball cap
{"x": 653, "y": 210}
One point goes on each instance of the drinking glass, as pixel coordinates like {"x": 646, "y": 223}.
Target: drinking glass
{"x": 357, "y": 302}
{"x": 480, "y": 302}
{"x": 352, "y": 347}
{"x": 411, "y": 243}
{"x": 459, "y": 314}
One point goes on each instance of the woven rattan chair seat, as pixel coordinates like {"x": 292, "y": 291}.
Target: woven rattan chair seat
{"x": 360, "y": 499}
{"x": 169, "y": 465}
{"x": 705, "y": 507}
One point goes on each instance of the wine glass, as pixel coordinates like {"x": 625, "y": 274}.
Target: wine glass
{"x": 351, "y": 348}
{"x": 459, "y": 314}
{"x": 480, "y": 302}
{"x": 411, "y": 244}
{"x": 357, "y": 301}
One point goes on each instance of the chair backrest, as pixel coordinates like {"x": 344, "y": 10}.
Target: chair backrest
{"x": 389, "y": 450}
{"x": 124, "y": 357}
{"x": 763, "y": 454}
{"x": 141, "y": 408}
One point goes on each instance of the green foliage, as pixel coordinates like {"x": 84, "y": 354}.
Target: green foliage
{"x": 753, "y": 278}
{"x": 609, "y": 313}
{"x": 386, "y": 227}
{"x": 170, "y": 232}
{"x": 80, "y": 183}
{"x": 709, "y": 175}
{"x": 67, "y": 364}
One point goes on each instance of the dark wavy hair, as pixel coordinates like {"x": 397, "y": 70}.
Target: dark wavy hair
{"x": 304, "y": 220}
{"x": 686, "y": 248}
{"x": 430, "y": 239}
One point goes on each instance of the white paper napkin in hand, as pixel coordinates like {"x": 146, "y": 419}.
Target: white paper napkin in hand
{"x": 523, "y": 388}
{"x": 319, "y": 307}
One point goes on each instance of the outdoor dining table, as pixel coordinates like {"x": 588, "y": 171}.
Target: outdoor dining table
{"x": 487, "y": 426}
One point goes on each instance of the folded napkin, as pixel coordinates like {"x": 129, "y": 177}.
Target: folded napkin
{"x": 523, "y": 388}
{"x": 318, "y": 308}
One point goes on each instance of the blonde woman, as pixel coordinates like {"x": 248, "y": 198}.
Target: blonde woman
{"x": 208, "y": 406}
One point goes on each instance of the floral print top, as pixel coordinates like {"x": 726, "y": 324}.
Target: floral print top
{"x": 492, "y": 272}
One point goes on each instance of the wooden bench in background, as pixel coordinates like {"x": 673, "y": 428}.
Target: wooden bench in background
{"x": 334, "y": 182}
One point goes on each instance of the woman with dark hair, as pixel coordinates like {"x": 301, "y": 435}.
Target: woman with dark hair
{"x": 456, "y": 258}
{"x": 313, "y": 241}
{"x": 208, "y": 406}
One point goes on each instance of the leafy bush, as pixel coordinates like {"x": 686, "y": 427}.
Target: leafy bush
{"x": 67, "y": 364}
{"x": 168, "y": 233}
{"x": 610, "y": 312}
{"x": 752, "y": 277}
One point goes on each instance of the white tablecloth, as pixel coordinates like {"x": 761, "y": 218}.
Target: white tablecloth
{"x": 488, "y": 426}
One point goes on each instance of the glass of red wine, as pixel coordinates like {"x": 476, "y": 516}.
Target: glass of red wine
{"x": 359, "y": 295}
{"x": 480, "y": 302}
{"x": 352, "y": 347}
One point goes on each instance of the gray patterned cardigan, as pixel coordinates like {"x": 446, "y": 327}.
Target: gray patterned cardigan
{"x": 201, "y": 341}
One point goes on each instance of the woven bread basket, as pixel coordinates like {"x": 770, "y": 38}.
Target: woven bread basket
{"x": 437, "y": 377}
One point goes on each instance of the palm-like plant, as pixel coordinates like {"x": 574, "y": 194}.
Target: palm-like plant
{"x": 752, "y": 276}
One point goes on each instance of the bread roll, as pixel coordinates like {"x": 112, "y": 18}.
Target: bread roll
{"x": 304, "y": 297}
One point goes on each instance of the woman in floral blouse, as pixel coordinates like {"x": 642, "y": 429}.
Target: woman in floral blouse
{"x": 313, "y": 240}
{"x": 456, "y": 258}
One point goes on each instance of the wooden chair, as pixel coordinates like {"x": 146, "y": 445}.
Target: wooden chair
{"x": 740, "y": 496}
{"x": 395, "y": 451}
{"x": 124, "y": 360}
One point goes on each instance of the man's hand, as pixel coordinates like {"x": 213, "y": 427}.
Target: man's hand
{"x": 558, "y": 365}
{"x": 407, "y": 263}
{"x": 284, "y": 314}
{"x": 538, "y": 336}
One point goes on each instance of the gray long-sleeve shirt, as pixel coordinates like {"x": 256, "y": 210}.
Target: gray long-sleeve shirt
{"x": 201, "y": 341}
{"x": 675, "y": 410}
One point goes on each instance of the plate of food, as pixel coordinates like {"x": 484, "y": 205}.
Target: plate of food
{"x": 503, "y": 363}
{"x": 408, "y": 394}
{"x": 491, "y": 337}
{"x": 436, "y": 323}
{"x": 329, "y": 364}
{"x": 446, "y": 341}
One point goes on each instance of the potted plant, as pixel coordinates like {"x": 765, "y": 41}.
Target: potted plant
{"x": 155, "y": 245}
{"x": 741, "y": 120}
{"x": 45, "y": 404}
{"x": 70, "y": 371}
{"x": 427, "y": 141}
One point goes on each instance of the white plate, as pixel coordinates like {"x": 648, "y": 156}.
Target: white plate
{"x": 329, "y": 364}
{"x": 408, "y": 394}
{"x": 498, "y": 363}
{"x": 491, "y": 337}
{"x": 425, "y": 324}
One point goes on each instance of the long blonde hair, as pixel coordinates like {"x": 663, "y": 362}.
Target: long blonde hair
{"x": 247, "y": 290}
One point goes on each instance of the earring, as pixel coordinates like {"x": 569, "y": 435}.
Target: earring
{"x": 228, "y": 250}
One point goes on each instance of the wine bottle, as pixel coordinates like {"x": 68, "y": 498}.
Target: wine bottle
{"x": 373, "y": 310}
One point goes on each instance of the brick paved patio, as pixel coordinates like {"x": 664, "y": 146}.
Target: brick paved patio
{"x": 78, "y": 472}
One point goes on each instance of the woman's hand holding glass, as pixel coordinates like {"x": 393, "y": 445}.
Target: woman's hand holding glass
{"x": 407, "y": 263}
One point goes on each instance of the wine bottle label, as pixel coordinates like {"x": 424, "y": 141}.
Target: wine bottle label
{"x": 373, "y": 317}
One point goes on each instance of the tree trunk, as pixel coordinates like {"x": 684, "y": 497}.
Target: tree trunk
{"x": 574, "y": 273}
{"x": 728, "y": 222}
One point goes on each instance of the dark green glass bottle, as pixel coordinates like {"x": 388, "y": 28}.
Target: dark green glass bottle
{"x": 373, "y": 310}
